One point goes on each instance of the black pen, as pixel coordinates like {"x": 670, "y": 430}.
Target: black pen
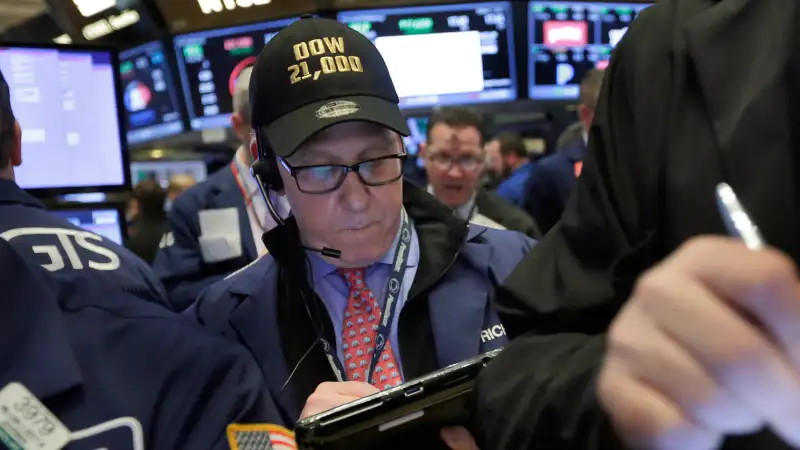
{"x": 736, "y": 219}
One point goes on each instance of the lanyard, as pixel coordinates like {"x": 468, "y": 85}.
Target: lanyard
{"x": 237, "y": 169}
{"x": 393, "y": 285}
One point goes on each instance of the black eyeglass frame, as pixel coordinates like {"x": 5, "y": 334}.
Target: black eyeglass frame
{"x": 294, "y": 170}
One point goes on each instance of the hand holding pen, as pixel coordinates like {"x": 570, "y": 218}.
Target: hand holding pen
{"x": 708, "y": 345}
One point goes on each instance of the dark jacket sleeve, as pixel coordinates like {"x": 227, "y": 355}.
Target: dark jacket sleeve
{"x": 549, "y": 406}
{"x": 579, "y": 275}
{"x": 227, "y": 388}
{"x": 561, "y": 299}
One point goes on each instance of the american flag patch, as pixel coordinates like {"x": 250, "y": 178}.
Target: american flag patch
{"x": 260, "y": 436}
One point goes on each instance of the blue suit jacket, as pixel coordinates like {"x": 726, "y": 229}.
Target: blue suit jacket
{"x": 462, "y": 316}
{"x": 179, "y": 262}
{"x": 513, "y": 188}
{"x": 551, "y": 182}
{"x": 85, "y": 327}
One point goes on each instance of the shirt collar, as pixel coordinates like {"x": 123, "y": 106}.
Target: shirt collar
{"x": 322, "y": 268}
{"x": 464, "y": 211}
{"x": 11, "y": 193}
{"x": 242, "y": 161}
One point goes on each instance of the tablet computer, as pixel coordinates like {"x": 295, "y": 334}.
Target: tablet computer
{"x": 397, "y": 417}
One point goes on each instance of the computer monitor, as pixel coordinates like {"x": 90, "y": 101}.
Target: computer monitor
{"x": 152, "y": 105}
{"x": 567, "y": 39}
{"x": 105, "y": 220}
{"x": 161, "y": 171}
{"x": 444, "y": 54}
{"x": 210, "y": 63}
{"x": 419, "y": 134}
{"x": 85, "y": 197}
{"x": 66, "y": 101}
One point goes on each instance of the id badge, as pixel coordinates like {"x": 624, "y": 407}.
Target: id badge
{"x": 26, "y": 424}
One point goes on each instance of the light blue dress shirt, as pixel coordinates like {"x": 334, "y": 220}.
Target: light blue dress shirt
{"x": 334, "y": 292}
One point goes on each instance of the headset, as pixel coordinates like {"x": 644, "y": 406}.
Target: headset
{"x": 284, "y": 241}
{"x": 265, "y": 170}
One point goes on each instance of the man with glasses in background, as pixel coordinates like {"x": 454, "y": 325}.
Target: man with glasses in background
{"x": 371, "y": 281}
{"x": 455, "y": 160}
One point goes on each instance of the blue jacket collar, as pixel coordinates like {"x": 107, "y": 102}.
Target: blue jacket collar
{"x": 576, "y": 151}
{"x": 11, "y": 193}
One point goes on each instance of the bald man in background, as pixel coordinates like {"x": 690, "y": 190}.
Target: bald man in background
{"x": 215, "y": 227}
{"x": 552, "y": 179}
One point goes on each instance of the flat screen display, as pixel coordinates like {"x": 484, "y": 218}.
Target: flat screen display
{"x": 66, "y": 103}
{"x": 567, "y": 39}
{"x": 210, "y": 62}
{"x": 103, "y": 222}
{"x": 152, "y": 108}
{"x": 86, "y": 197}
{"x": 419, "y": 134}
{"x": 444, "y": 54}
{"x": 162, "y": 171}
{"x": 184, "y": 16}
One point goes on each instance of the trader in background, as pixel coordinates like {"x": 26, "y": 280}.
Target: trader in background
{"x": 215, "y": 227}
{"x": 455, "y": 159}
{"x": 493, "y": 174}
{"x": 553, "y": 177}
{"x": 574, "y": 131}
{"x": 376, "y": 268}
{"x": 146, "y": 219}
{"x": 516, "y": 166}
{"x": 84, "y": 326}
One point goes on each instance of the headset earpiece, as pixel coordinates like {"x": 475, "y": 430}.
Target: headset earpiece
{"x": 265, "y": 173}
{"x": 265, "y": 168}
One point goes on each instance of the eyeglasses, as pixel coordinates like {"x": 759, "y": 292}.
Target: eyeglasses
{"x": 328, "y": 178}
{"x": 467, "y": 163}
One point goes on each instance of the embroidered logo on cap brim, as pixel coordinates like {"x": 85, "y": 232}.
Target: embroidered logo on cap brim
{"x": 335, "y": 109}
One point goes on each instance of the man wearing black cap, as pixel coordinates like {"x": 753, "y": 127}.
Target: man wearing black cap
{"x": 371, "y": 281}
{"x": 84, "y": 329}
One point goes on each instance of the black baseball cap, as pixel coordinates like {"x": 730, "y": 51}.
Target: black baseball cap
{"x": 316, "y": 73}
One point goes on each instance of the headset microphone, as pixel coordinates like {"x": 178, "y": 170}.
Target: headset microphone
{"x": 326, "y": 251}
{"x": 283, "y": 241}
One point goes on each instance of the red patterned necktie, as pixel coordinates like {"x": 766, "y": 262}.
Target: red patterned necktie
{"x": 361, "y": 321}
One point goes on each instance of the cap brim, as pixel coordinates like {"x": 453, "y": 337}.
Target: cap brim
{"x": 287, "y": 133}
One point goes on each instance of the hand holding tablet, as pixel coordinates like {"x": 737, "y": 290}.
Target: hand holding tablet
{"x": 330, "y": 395}
{"x": 427, "y": 411}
